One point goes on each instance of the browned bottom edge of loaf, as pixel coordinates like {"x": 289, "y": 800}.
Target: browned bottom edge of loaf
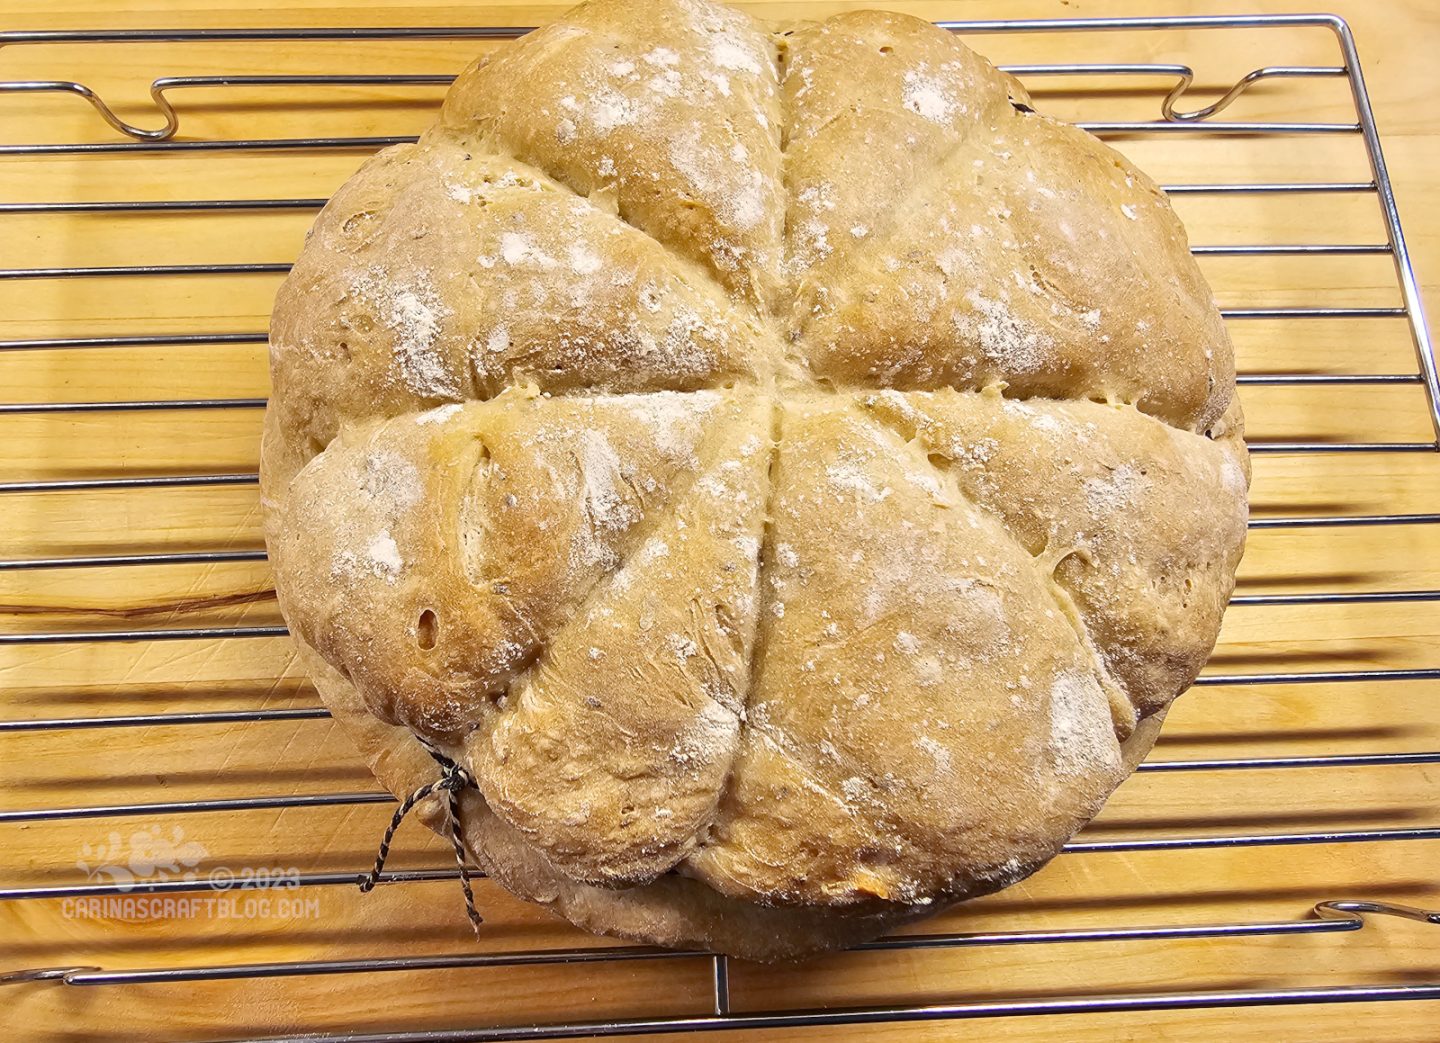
{"x": 674, "y": 911}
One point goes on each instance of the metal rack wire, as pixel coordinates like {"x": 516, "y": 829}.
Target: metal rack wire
{"x": 1329, "y": 916}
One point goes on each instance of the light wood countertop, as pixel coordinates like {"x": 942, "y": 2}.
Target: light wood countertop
{"x": 1398, "y": 42}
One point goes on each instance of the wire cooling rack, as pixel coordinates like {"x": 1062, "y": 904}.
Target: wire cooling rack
{"x": 51, "y": 881}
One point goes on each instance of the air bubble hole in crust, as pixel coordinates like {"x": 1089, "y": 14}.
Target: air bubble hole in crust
{"x": 427, "y": 630}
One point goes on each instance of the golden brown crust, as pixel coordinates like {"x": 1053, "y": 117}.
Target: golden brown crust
{"x": 793, "y": 478}
{"x": 673, "y": 911}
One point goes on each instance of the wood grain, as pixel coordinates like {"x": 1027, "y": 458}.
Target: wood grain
{"x": 77, "y": 768}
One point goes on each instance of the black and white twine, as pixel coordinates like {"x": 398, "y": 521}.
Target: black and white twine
{"x": 453, "y": 779}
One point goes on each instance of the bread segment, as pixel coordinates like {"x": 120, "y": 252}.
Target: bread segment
{"x": 874, "y": 103}
{"x": 610, "y": 754}
{"x": 432, "y": 557}
{"x": 670, "y": 108}
{"x": 440, "y": 274}
{"x": 1140, "y": 524}
{"x": 916, "y": 677}
{"x": 942, "y": 237}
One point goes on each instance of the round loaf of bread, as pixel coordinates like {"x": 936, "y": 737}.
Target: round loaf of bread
{"x": 790, "y": 474}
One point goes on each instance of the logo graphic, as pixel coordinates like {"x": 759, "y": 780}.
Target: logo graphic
{"x": 154, "y": 855}
{"x": 148, "y": 854}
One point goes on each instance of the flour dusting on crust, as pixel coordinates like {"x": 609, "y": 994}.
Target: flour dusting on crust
{"x": 781, "y": 466}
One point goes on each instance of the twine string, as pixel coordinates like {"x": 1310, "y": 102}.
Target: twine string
{"x": 453, "y": 779}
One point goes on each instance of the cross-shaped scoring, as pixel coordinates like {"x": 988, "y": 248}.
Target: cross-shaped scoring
{"x": 777, "y": 457}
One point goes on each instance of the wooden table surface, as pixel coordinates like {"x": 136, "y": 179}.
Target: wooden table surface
{"x": 69, "y": 767}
